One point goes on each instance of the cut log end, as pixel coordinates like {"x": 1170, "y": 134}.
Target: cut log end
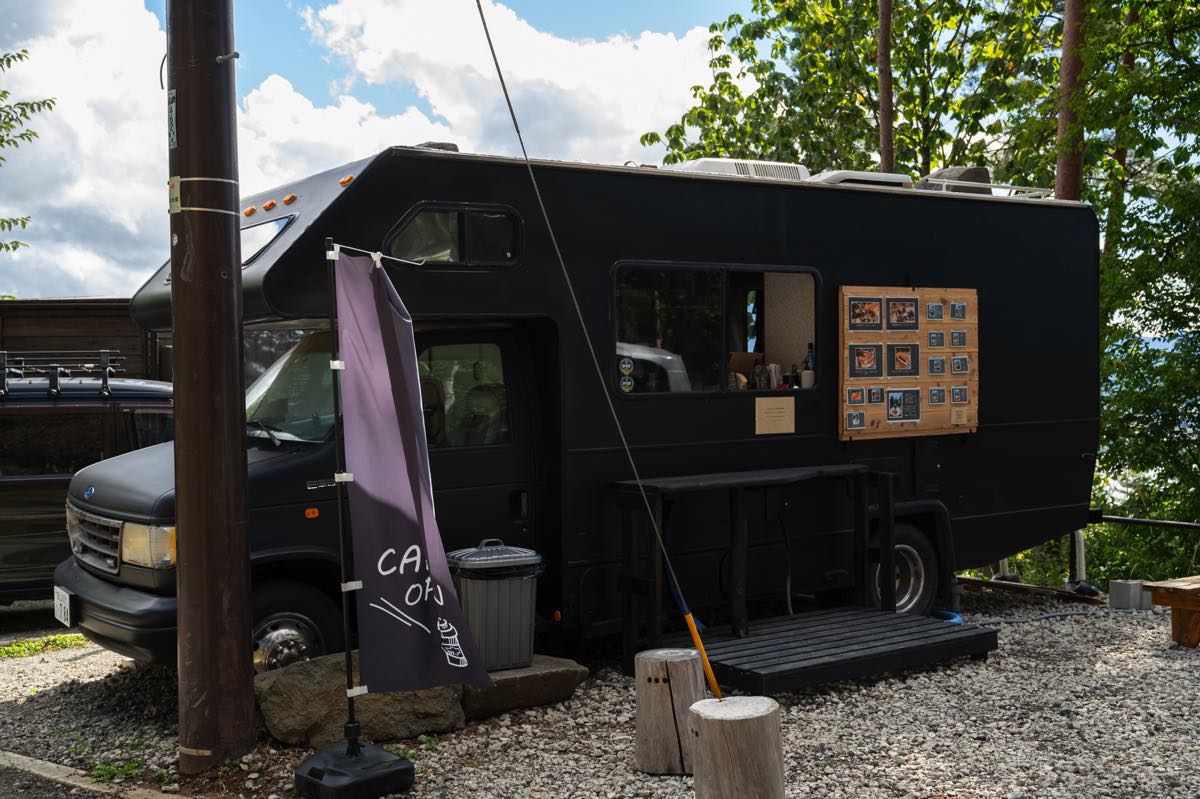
{"x": 738, "y": 748}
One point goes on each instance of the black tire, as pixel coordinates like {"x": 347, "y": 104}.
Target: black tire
{"x": 916, "y": 572}
{"x": 293, "y": 621}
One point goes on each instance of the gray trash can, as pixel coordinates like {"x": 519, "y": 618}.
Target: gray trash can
{"x": 497, "y": 586}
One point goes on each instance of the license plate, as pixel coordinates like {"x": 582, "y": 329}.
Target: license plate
{"x": 62, "y": 605}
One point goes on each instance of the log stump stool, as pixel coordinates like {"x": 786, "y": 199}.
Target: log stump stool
{"x": 1182, "y": 596}
{"x": 738, "y": 748}
{"x": 669, "y": 681}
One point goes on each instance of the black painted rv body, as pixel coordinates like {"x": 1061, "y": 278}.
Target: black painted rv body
{"x": 1023, "y": 478}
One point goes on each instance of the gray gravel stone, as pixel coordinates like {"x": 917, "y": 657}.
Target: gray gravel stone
{"x": 1099, "y": 705}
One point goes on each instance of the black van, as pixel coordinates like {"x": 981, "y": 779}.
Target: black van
{"x": 49, "y": 429}
{"x": 680, "y": 275}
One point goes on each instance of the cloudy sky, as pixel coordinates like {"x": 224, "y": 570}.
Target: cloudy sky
{"x": 319, "y": 85}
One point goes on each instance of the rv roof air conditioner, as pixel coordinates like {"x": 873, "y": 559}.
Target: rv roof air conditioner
{"x": 743, "y": 167}
{"x": 859, "y": 177}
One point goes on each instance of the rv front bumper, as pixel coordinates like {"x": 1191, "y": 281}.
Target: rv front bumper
{"x": 125, "y": 620}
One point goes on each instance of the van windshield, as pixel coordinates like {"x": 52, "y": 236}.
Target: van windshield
{"x": 293, "y": 399}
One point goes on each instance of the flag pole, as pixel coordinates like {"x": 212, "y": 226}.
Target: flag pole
{"x": 357, "y": 769}
{"x": 352, "y": 728}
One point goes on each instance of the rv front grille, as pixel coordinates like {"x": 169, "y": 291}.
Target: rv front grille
{"x": 95, "y": 540}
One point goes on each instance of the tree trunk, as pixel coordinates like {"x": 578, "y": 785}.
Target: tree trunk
{"x": 883, "y": 56}
{"x": 1068, "y": 173}
{"x": 1114, "y": 222}
{"x": 669, "y": 681}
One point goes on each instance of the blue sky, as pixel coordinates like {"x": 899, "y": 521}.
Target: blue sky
{"x": 320, "y": 83}
{"x": 272, "y": 38}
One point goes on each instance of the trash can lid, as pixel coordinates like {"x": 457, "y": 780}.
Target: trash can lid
{"x": 492, "y": 553}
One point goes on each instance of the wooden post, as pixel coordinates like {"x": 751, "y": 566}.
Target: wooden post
{"x": 669, "y": 682}
{"x": 216, "y": 679}
{"x": 738, "y": 748}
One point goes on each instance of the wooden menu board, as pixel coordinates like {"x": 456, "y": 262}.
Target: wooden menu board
{"x": 909, "y": 362}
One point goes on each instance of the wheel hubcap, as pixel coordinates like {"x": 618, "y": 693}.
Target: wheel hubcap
{"x": 285, "y": 639}
{"x": 910, "y": 577}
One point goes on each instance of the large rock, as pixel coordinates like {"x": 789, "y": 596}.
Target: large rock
{"x": 545, "y": 681}
{"x": 305, "y": 705}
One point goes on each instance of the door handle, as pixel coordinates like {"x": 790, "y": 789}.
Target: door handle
{"x": 518, "y": 505}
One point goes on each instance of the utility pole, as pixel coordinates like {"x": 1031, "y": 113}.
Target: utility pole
{"x": 1068, "y": 171}
{"x": 216, "y": 690}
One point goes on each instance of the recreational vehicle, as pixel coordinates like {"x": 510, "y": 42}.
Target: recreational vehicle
{"x": 750, "y": 321}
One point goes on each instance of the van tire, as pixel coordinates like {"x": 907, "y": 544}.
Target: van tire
{"x": 916, "y": 571}
{"x": 292, "y": 621}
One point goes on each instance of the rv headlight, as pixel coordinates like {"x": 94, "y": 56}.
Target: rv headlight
{"x": 148, "y": 545}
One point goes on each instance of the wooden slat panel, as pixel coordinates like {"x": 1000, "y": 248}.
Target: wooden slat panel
{"x": 790, "y": 652}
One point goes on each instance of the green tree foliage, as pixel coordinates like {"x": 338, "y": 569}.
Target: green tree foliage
{"x": 976, "y": 82}
{"x": 957, "y": 65}
{"x": 15, "y": 116}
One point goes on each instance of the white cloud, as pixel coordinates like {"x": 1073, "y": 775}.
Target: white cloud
{"x": 95, "y": 180}
{"x": 588, "y": 100}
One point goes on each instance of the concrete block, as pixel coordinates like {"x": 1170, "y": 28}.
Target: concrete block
{"x": 1128, "y": 595}
{"x": 545, "y": 681}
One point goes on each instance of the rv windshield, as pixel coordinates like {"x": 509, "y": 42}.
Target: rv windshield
{"x": 293, "y": 399}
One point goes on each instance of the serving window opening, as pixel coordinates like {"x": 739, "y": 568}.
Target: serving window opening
{"x": 714, "y": 329}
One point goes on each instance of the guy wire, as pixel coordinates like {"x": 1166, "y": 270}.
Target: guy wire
{"x": 592, "y": 350}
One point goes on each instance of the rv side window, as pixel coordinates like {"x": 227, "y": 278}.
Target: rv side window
{"x": 713, "y": 329}
{"x": 669, "y": 330}
{"x": 462, "y": 236}
{"x": 463, "y": 396}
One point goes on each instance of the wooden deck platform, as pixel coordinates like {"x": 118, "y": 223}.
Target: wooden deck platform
{"x": 790, "y": 652}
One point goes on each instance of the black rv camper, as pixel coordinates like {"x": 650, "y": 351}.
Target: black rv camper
{"x": 708, "y": 297}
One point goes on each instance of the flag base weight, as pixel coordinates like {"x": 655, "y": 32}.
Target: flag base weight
{"x": 332, "y": 773}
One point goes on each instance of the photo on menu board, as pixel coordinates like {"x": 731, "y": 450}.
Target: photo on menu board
{"x": 903, "y": 360}
{"x": 934, "y": 311}
{"x": 902, "y": 314}
{"x": 865, "y": 313}
{"x": 865, "y": 360}
{"x": 904, "y": 405}
{"x": 958, "y": 310}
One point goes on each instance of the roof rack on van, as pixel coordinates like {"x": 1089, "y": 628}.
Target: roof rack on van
{"x": 56, "y": 364}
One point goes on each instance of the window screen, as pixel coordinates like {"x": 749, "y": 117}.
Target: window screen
{"x": 429, "y": 237}
{"x": 463, "y": 396}
{"x": 469, "y": 236}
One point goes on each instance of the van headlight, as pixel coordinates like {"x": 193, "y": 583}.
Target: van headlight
{"x": 148, "y": 545}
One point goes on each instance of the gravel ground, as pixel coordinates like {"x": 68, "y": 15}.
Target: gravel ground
{"x": 1091, "y": 706}
{"x": 16, "y": 784}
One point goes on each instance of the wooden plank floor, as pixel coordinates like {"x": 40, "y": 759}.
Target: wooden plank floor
{"x": 790, "y": 652}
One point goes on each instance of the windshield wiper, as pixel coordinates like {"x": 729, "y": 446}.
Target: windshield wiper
{"x": 266, "y": 428}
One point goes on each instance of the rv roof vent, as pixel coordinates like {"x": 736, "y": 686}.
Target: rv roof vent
{"x": 853, "y": 176}
{"x": 743, "y": 167}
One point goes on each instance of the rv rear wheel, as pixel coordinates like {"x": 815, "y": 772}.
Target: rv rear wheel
{"x": 293, "y": 622}
{"x": 916, "y": 572}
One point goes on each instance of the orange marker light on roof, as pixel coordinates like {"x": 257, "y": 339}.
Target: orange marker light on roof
{"x": 269, "y": 204}
{"x": 248, "y": 211}
{"x": 346, "y": 180}
{"x": 312, "y": 513}
{"x": 288, "y": 200}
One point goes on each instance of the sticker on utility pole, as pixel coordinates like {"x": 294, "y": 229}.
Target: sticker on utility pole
{"x": 172, "y": 139}
{"x": 174, "y": 202}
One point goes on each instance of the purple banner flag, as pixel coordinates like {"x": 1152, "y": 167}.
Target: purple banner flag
{"x": 411, "y": 631}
